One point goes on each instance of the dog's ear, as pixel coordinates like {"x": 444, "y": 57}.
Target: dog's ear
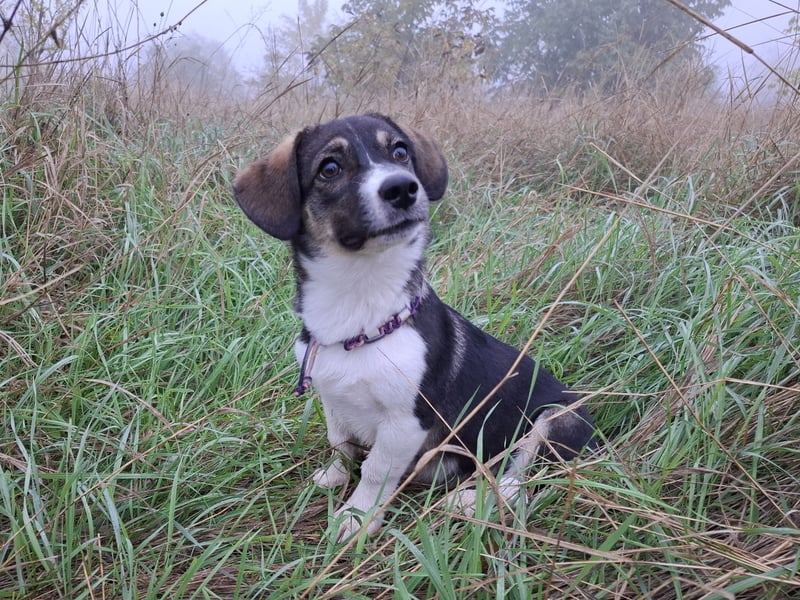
{"x": 268, "y": 191}
{"x": 429, "y": 164}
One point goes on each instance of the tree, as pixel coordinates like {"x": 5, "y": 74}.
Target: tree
{"x": 295, "y": 37}
{"x": 582, "y": 42}
{"x": 391, "y": 44}
{"x": 35, "y": 28}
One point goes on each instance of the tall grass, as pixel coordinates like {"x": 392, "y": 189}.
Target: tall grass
{"x": 151, "y": 446}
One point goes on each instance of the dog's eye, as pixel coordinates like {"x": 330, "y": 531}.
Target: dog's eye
{"x": 329, "y": 169}
{"x": 400, "y": 154}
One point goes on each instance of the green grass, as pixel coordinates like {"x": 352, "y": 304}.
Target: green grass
{"x": 152, "y": 447}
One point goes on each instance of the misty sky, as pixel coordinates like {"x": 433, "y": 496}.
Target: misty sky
{"x": 239, "y": 26}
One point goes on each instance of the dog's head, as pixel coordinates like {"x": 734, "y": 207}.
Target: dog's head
{"x": 356, "y": 183}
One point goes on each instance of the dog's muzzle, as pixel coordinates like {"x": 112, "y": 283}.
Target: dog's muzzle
{"x": 401, "y": 195}
{"x": 399, "y": 190}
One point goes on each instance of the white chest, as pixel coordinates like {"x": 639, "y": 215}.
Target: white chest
{"x": 370, "y": 387}
{"x": 347, "y": 294}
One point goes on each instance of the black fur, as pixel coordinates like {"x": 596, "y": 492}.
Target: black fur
{"x": 478, "y": 365}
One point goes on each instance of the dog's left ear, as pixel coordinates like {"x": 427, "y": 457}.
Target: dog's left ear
{"x": 429, "y": 164}
{"x": 268, "y": 191}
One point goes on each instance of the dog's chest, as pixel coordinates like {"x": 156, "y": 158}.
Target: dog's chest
{"x": 372, "y": 386}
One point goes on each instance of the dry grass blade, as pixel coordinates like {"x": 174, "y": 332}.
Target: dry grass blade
{"x": 738, "y": 43}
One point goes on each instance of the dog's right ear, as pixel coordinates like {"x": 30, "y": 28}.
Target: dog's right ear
{"x": 268, "y": 191}
{"x": 429, "y": 164}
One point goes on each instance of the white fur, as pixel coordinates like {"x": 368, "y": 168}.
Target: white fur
{"x": 347, "y": 293}
{"x": 368, "y": 395}
{"x": 334, "y": 475}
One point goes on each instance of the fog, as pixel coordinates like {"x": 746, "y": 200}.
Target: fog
{"x": 241, "y": 27}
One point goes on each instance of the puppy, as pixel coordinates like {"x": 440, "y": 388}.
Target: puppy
{"x": 397, "y": 370}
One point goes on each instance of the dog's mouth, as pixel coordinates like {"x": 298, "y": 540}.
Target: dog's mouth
{"x": 356, "y": 241}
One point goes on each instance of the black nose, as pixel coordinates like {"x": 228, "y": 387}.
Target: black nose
{"x": 399, "y": 190}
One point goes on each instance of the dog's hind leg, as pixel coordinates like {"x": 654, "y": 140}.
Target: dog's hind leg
{"x": 557, "y": 433}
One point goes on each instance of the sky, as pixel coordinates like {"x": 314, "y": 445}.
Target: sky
{"x": 239, "y": 26}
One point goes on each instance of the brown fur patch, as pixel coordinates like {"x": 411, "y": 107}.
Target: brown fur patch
{"x": 268, "y": 191}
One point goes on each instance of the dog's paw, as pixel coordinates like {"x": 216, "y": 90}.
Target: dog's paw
{"x": 334, "y": 475}
{"x": 350, "y": 521}
{"x": 463, "y": 501}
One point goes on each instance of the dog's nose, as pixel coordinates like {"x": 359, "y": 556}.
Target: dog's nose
{"x": 399, "y": 190}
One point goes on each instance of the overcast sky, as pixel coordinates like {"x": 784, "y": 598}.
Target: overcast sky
{"x": 239, "y": 25}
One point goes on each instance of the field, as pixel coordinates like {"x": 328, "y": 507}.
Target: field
{"x": 646, "y": 245}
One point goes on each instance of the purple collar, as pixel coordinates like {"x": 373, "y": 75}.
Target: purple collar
{"x": 352, "y": 343}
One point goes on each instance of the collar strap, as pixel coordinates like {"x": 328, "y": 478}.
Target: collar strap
{"x": 389, "y": 327}
{"x": 352, "y": 343}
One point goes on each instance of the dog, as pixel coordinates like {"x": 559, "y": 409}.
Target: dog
{"x": 397, "y": 370}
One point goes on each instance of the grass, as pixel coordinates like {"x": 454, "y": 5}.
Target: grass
{"x": 152, "y": 447}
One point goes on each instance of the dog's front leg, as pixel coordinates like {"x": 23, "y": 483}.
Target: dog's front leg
{"x": 396, "y": 445}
